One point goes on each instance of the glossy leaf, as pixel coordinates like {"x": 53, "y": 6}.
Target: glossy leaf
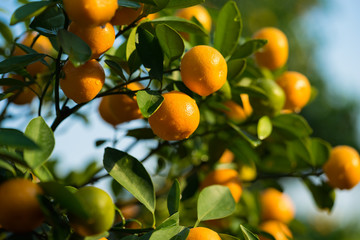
{"x": 150, "y": 53}
{"x": 228, "y": 29}
{"x": 15, "y": 63}
{"x": 246, "y": 136}
{"x": 173, "y": 200}
{"x": 170, "y": 41}
{"x": 44, "y": 174}
{"x": 66, "y": 199}
{"x": 292, "y": 125}
{"x": 183, "y": 4}
{"x": 16, "y": 139}
{"x": 148, "y": 102}
{"x": 215, "y": 202}
{"x": 173, "y": 220}
{"x": 180, "y": 24}
{"x": 79, "y": 52}
{"x": 132, "y": 175}
{"x": 28, "y": 11}
{"x": 248, "y": 48}
{"x": 41, "y": 133}
{"x": 248, "y": 235}
{"x": 49, "y": 21}
{"x": 141, "y": 133}
{"x": 264, "y": 127}
{"x": 170, "y": 233}
{"x": 128, "y": 3}
{"x": 235, "y": 68}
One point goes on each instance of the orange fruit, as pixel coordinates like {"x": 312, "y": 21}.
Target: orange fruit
{"x": 90, "y": 12}
{"x": 202, "y": 233}
{"x": 100, "y": 209}
{"x": 343, "y": 167}
{"x": 277, "y": 229}
{"x": 126, "y": 15}
{"x": 121, "y": 107}
{"x": 236, "y": 112}
{"x": 19, "y": 207}
{"x": 99, "y": 38}
{"x": 203, "y": 70}
{"x": 227, "y": 157}
{"x": 276, "y": 205}
{"x": 82, "y": 83}
{"x": 199, "y": 12}
{"x": 297, "y": 90}
{"x": 177, "y": 117}
{"x": 105, "y": 112}
{"x": 151, "y": 16}
{"x": 226, "y": 177}
{"x": 24, "y": 95}
{"x": 42, "y": 45}
{"x": 275, "y": 53}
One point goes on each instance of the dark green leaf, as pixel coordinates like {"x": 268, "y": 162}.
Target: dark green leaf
{"x": 66, "y": 199}
{"x": 131, "y": 43}
{"x": 244, "y": 150}
{"x": 292, "y": 125}
{"x": 323, "y": 194}
{"x": 141, "y": 133}
{"x": 170, "y": 41}
{"x": 14, "y": 63}
{"x": 192, "y": 185}
{"x": 148, "y": 102}
{"x": 173, "y": 200}
{"x": 225, "y": 91}
{"x": 79, "y": 52}
{"x": 150, "y": 53}
{"x": 154, "y": 6}
{"x": 248, "y": 235}
{"x": 227, "y": 237}
{"x": 298, "y": 151}
{"x": 49, "y": 21}
{"x": 41, "y": 133}
{"x": 115, "y": 67}
{"x": 128, "y": 3}
{"x": 132, "y": 175}
{"x": 235, "y": 68}
{"x": 16, "y": 139}
{"x": 228, "y": 29}
{"x": 320, "y": 151}
{"x": 180, "y": 24}
{"x": 264, "y": 127}
{"x": 30, "y": 51}
{"x": 183, "y": 4}
{"x": 249, "y": 48}
{"x": 13, "y": 157}
{"x": 245, "y": 135}
{"x": 251, "y": 91}
{"x": 5, "y": 32}
{"x": 28, "y": 11}
{"x": 215, "y": 202}
{"x": 7, "y": 166}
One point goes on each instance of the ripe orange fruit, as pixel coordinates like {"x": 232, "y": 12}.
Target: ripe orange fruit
{"x": 236, "y": 112}
{"x": 276, "y": 205}
{"x": 199, "y": 12}
{"x": 82, "y": 83}
{"x": 126, "y": 15}
{"x": 177, "y": 118}
{"x": 25, "y": 95}
{"x": 42, "y": 45}
{"x": 227, "y": 157}
{"x": 99, "y": 38}
{"x": 203, "y": 70}
{"x": 297, "y": 90}
{"x": 90, "y": 12}
{"x": 100, "y": 208}
{"x": 343, "y": 167}
{"x": 202, "y": 233}
{"x": 226, "y": 177}
{"x": 124, "y": 108}
{"x": 275, "y": 53}
{"x": 277, "y": 229}
{"x": 105, "y": 112}
{"x": 19, "y": 207}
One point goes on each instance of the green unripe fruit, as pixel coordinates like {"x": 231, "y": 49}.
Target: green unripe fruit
{"x": 100, "y": 209}
{"x": 274, "y": 102}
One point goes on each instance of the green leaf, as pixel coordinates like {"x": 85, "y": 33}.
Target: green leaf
{"x": 13, "y": 157}
{"x": 235, "y": 68}
{"x": 244, "y": 150}
{"x": 292, "y": 125}
{"x": 49, "y": 22}
{"x": 251, "y": 91}
{"x": 323, "y": 194}
{"x": 150, "y": 53}
{"x": 245, "y": 135}
{"x": 6, "y": 33}
{"x": 170, "y": 233}
{"x": 15, "y": 63}
{"x": 16, "y": 139}
{"x": 180, "y": 24}
{"x": 132, "y": 175}
{"x": 170, "y": 41}
{"x": 148, "y": 102}
{"x": 131, "y": 44}
{"x": 7, "y": 166}
{"x": 183, "y": 4}
{"x": 248, "y": 48}
{"x": 115, "y": 67}
{"x": 228, "y": 29}
{"x": 298, "y": 151}
{"x": 128, "y": 3}
{"x": 78, "y": 50}
{"x": 227, "y": 237}
{"x": 28, "y": 11}
{"x": 264, "y": 127}
{"x": 44, "y": 174}
{"x": 39, "y": 132}
{"x": 66, "y": 199}
{"x": 79, "y": 178}
{"x": 173, "y": 200}
{"x": 31, "y": 51}
{"x": 215, "y": 202}
{"x": 320, "y": 151}
{"x": 154, "y": 6}
{"x": 248, "y": 235}
{"x": 141, "y": 133}
{"x": 171, "y": 221}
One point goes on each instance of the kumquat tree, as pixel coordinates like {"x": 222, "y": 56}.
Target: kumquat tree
{"x": 222, "y": 107}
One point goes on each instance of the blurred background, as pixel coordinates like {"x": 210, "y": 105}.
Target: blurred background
{"x": 323, "y": 37}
